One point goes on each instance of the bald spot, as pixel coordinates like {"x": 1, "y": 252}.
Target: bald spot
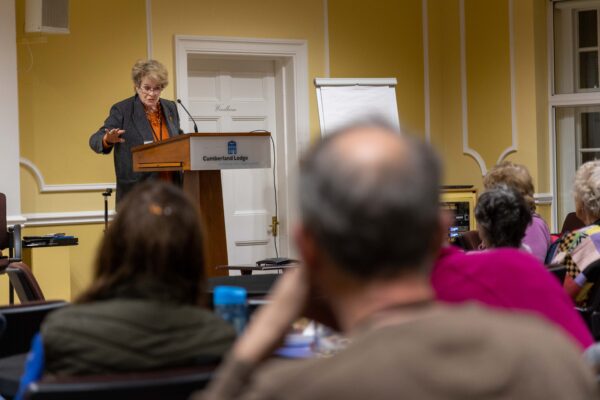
{"x": 370, "y": 148}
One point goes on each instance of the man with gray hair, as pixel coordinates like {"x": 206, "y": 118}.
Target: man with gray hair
{"x": 371, "y": 228}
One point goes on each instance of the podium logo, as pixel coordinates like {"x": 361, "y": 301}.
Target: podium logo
{"x": 232, "y": 147}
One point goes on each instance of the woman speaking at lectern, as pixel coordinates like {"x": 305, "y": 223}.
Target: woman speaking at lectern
{"x": 142, "y": 118}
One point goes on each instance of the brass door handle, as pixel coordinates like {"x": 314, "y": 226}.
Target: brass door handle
{"x": 273, "y": 225}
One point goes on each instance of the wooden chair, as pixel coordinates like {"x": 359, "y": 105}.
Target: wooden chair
{"x": 171, "y": 384}
{"x": 24, "y": 283}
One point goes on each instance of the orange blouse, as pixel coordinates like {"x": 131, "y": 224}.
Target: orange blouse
{"x": 157, "y": 124}
{"x": 160, "y": 132}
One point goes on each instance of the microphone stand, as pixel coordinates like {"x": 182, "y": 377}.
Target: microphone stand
{"x": 106, "y": 194}
{"x": 188, "y": 113}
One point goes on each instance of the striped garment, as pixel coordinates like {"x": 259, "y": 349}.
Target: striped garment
{"x": 577, "y": 250}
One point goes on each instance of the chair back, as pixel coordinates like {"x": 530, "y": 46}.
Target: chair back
{"x": 10, "y": 238}
{"x": 469, "y": 240}
{"x": 255, "y": 285}
{"x": 172, "y": 384}
{"x": 559, "y": 271}
{"x": 23, "y": 321}
{"x": 24, "y": 282}
{"x": 591, "y": 312}
{"x": 4, "y": 241}
{"x": 571, "y": 223}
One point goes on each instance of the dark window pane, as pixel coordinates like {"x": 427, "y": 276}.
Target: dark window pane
{"x": 590, "y": 130}
{"x": 588, "y": 29}
{"x": 588, "y": 69}
{"x": 585, "y": 157}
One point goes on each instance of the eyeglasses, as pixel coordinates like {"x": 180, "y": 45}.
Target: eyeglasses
{"x": 148, "y": 89}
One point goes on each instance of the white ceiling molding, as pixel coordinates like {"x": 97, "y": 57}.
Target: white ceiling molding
{"x": 67, "y": 218}
{"x": 513, "y": 88}
{"x": 78, "y": 187}
{"x": 463, "y": 78}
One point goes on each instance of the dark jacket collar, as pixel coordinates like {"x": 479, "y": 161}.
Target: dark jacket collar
{"x": 140, "y": 121}
{"x": 169, "y": 117}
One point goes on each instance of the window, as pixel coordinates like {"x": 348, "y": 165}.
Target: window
{"x": 587, "y": 49}
{"x": 575, "y": 98}
{"x": 576, "y": 50}
{"x": 577, "y": 131}
{"x": 588, "y": 130}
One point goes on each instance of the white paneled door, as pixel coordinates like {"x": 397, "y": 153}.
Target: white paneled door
{"x": 238, "y": 95}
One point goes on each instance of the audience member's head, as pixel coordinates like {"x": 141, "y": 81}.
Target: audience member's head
{"x": 370, "y": 198}
{"x": 592, "y": 356}
{"x": 152, "y": 249}
{"x": 513, "y": 175}
{"x": 502, "y": 217}
{"x": 586, "y": 191}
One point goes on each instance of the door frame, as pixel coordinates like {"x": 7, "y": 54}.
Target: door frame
{"x": 291, "y": 105}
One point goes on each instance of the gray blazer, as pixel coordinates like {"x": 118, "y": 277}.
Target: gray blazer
{"x": 130, "y": 116}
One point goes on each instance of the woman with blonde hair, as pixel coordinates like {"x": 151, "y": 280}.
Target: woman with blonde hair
{"x": 516, "y": 176}
{"x": 142, "y": 118}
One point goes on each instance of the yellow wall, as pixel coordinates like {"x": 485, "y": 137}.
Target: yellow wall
{"x": 279, "y": 19}
{"x": 68, "y": 82}
{"x": 369, "y": 39}
{"x": 488, "y": 77}
{"x": 66, "y": 86}
{"x": 385, "y": 38}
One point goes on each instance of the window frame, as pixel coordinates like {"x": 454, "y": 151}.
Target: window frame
{"x": 576, "y": 98}
{"x": 579, "y": 50}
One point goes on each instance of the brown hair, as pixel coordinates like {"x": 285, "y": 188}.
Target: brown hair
{"x": 512, "y": 175}
{"x": 152, "y": 249}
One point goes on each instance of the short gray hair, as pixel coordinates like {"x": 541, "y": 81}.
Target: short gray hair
{"x": 377, "y": 221}
{"x": 586, "y": 188}
{"x": 152, "y": 69}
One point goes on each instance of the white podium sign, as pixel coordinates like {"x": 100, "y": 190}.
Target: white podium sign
{"x": 229, "y": 152}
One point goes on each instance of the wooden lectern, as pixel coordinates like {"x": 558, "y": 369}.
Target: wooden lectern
{"x": 201, "y": 157}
